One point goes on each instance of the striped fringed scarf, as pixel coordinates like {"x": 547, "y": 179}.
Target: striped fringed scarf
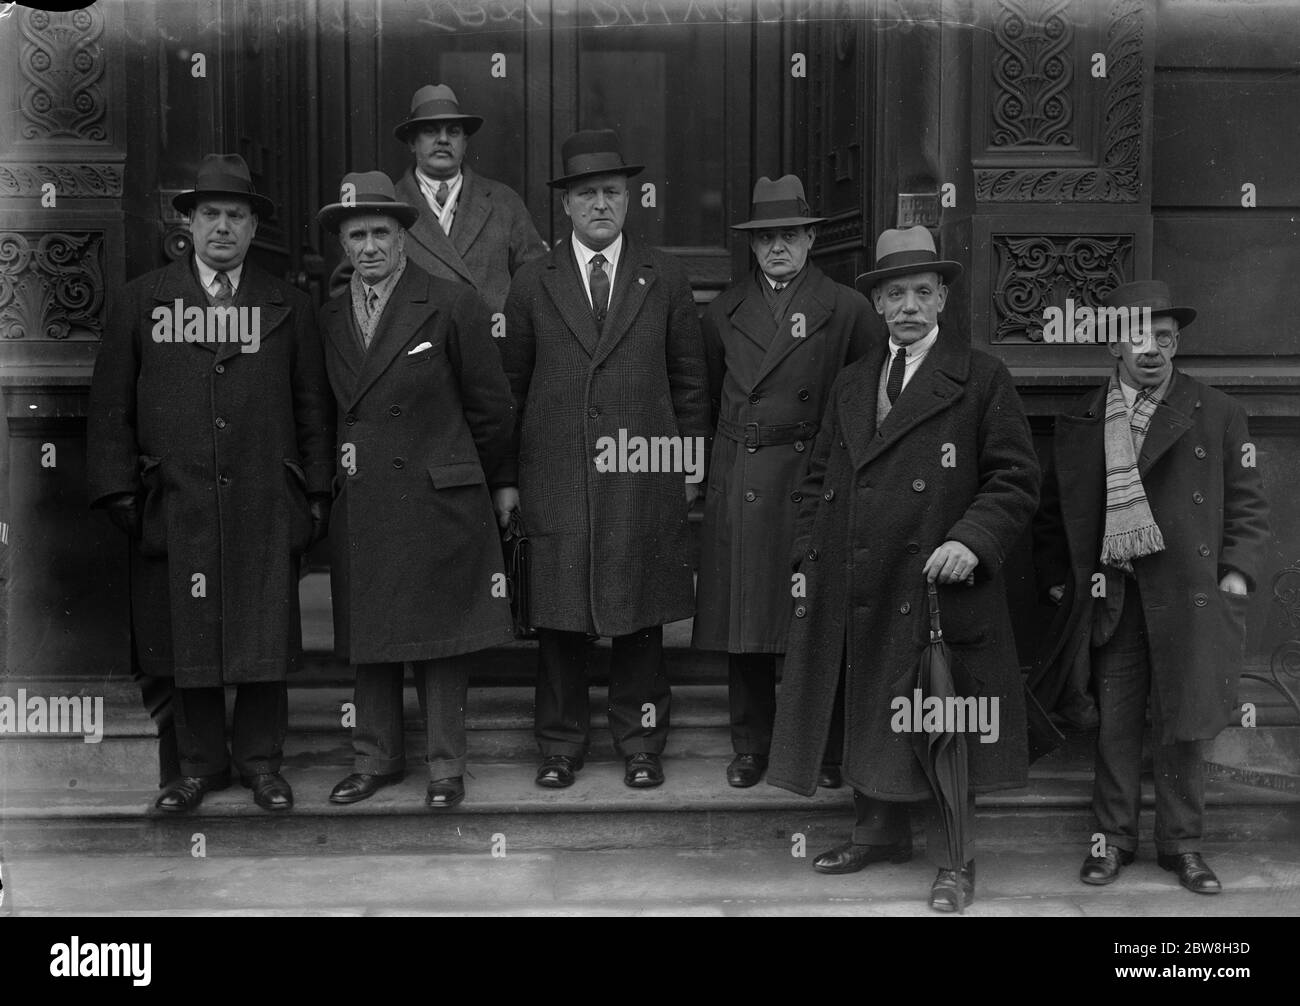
{"x": 1131, "y": 529}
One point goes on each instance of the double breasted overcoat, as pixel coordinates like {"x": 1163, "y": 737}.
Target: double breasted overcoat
{"x": 223, "y": 447}
{"x": 953, "y": 460}
{"x": 425, "y": 414}
{"x": 773, "y": 375}
{"x": 610, "y": 549}
{"x": 1200, "y": 474}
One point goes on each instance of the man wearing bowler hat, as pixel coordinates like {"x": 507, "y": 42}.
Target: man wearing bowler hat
{"x": 471, "y": 229}
{"x": 1150, "y": 538}
{"x": 924, "y": 470}
{"x": 211, "y": 445}
{"x": 774, "y": 342}
{"x": 425, "y": 417}
{"x": 603, "y": 346}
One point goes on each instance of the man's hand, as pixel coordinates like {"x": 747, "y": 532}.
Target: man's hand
{"x": 320, "y": 517}
{"x": 1233, "y": 583}
{"x": 693, "y": 492}
{"x": 505, "y": 501}
{"x": 124, "y": 513}
{"x": 1056, "y": 593}
{"x": 951, "y": 562}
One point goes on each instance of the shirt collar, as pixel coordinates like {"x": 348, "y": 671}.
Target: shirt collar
{"x": 207, "y": 274}
{"x": 585, "y": 254}
{"x": 784, "y": 282}
{"x": 453, "y": 184}
{"x": 916, "y": 349}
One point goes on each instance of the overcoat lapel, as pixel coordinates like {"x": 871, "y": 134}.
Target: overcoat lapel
{"x": 815, "y": 300}
{"x": 178, "y": 282}
{"x": 472, "y": 210}
{"x": 1172, "y": 418}
{"x": 562, "y": 284}
{"x": 636, "y": 275}
{"x": 339, "y": 330}
{"x": 408, "y": 308}
{"x": 427, "y": 232}
{"x": 752, "y": 318}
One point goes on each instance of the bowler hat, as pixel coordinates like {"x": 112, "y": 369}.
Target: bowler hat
{"x": 903, "y": 251}
{"x": 592, "y": 152}
{"x": 224, "y": 175}
{"x": 371, "y": 192}
{"x": 778, "y": 203}
{"x": 435, "y": 103}
{"x": 1149, "y": 293}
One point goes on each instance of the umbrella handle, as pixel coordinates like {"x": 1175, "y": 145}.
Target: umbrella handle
{"x": 936, "y": 632}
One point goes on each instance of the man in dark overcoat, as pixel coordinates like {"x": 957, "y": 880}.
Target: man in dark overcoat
{"x": 426, "y": 415}
{"x": 1150, "y": 537}
{"x": 604, "y": 355}
{"x": 924, "y": 470}
{"x": 774, "y": 343}
{"x": 210, "y": 443}
{"x": 471, "y": 229}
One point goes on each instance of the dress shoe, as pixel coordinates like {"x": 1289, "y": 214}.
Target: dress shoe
{"x": 1193, "y": 873}
{"x": 362, "y": 785}
{"x": 443, "y": 793}
{"x": 643, "y": 771}
{"x": 186, "y": 793}
{"x": 829, "y": 777}
{"x": 953, "y": 890}
{"x": 850, "y": 858}
{"x": 746, "y": 769}
{"x": 1104, "y": 869}
{"x": 557, "y": 771}
{"x": 270, "y": 791}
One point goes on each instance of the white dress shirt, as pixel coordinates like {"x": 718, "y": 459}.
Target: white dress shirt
{"x": 429, "y": 187}
{"x": 208, "y": 277}
{"x": 584, "y": 255}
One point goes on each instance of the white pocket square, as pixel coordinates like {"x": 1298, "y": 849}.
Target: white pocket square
{"x": 420, "y": 348}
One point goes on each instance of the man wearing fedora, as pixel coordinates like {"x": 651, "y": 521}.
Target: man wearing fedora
{"x": 1150, "y": 538}
{"x": 923, "y": 470}
{"x": 425, "y": 417}
{"x": 214, "y": 454}
{"x": 603, "y": 341}
{"x": 774, "y": 343}
{"x": 471, "y": 229}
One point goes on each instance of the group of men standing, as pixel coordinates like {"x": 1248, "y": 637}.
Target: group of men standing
{"x": 846, "y": 474}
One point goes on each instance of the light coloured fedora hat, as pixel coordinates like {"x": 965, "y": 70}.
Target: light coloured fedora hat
{"x": 435, "y": 103}
{"x": 371, "y": 192}
{"x": 900, "y": 252}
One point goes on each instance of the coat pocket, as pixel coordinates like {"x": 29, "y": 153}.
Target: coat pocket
{"x": 299, "y": 508}
{"x": 153, "y": 509}
{"x": 459, "y": 473}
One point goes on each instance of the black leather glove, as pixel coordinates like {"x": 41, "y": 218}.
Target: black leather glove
{"x": 320, "y": 517}
{"x": 124, "y": 512}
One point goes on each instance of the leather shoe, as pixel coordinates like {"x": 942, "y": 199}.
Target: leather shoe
{"x": 829, "y": 777}
{"x": 746, "y": 769}
{"x": 443, "y": 793}
{"x": 1105, "y": 869}
{"x": 270, "y": 791}
{"x": 643, "y": 771}
{"x": 558, "y": 771}
{"x": 953, "y": 890}
{"x": 850, "y": 858}
{"x": 362, "y": 785}
{"x": 1193, "y": 873}
{"x": 186, "y": 793}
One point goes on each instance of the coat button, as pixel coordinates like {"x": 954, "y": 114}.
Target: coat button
{"x": 394, "y": 410}
{"x": 220, "y": 368}
{"x": 913, "y": 548}
{"x": 904, "y": 608}
{"x": 803, "y": 394}
{"x": 1204, "y": 550}
{"x": 1200, "y": 600}
{"x": 800, "y": 611}
{"x": 350, "y": 419}
{"x": 828, "y": 495}
{"x": 223, "y": 479}
{"x": 799, "y": 446}
{"x": 918, "y": 485}
{"x": 398, "y": 462}
{"x": 219, "y": 423}
{"x": 796, "y": 497}
{"x": 1197, "y": 497}
{"x": 593, "y": 412}
{"x": 753, "y": 399}
{"x": 750, "y": 496}
{"x": 812, "y": 554}
{"x": 1200, "y": 451}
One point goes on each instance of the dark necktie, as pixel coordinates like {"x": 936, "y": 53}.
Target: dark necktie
{"x": 599, "y": 289}
{"x": 225, "y": 292}
{"x": 894, "y": 386}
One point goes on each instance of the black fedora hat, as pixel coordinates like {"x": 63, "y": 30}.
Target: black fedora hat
{"x": 435, "y": 103}
{"x": 371, "y": 192}
{"x": 778, "y": 203}
{"x": 224, "y": 175}
{"x": 592, "y": 152}
{"x": 903, "y": 251}
{"x": 1152, "y": 294}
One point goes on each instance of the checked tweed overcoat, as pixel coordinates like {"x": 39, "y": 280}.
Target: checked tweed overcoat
{"x": 223, "y": 448}
{"x": 952, "y": 460}
{"x": 428, "y": 415}
{"x": 610, "y": 550}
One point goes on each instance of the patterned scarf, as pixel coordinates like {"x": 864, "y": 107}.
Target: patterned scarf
{"x": 1131, "y": 529}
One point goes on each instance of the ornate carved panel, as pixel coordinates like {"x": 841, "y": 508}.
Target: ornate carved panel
{"x": 62, "y": 62}
{"x": 51, "y": 284}
{"x": 74, "y": 181}
{"x": 1036, "y": 271}
{"x": 1042, "y": 103}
